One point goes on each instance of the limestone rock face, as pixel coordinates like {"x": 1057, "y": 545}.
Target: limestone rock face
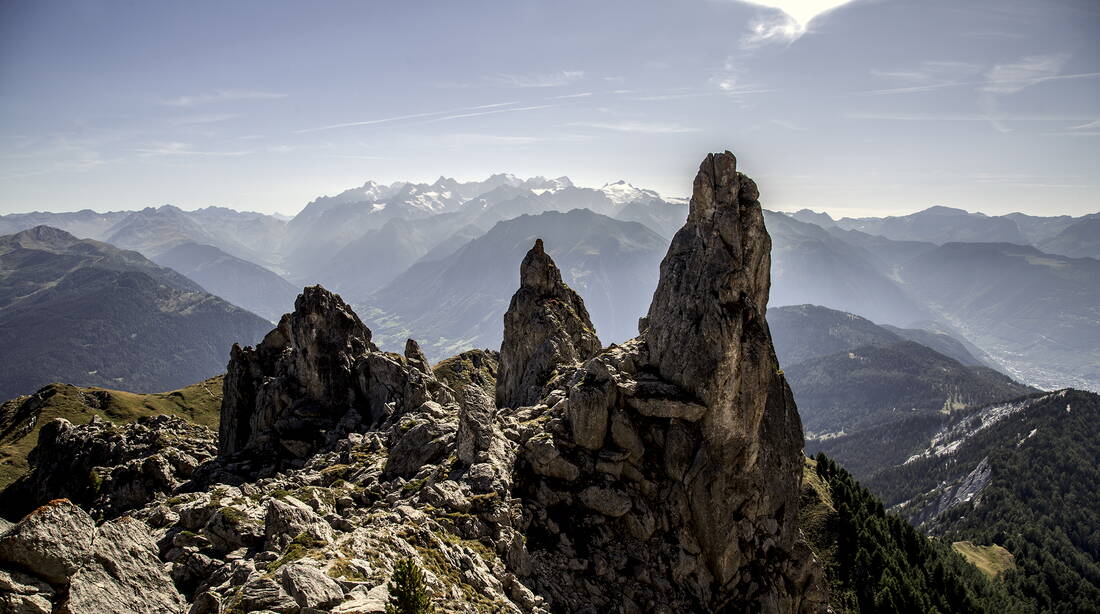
{"x": 315, "y": 376}
{"x": 546, "y": 326}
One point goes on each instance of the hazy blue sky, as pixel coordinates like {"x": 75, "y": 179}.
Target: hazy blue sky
{"x": 874, "y": 107}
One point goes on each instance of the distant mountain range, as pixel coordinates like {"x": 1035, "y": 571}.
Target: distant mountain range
{"x": 90, "y": 314}
{"x": 932, "y": 270}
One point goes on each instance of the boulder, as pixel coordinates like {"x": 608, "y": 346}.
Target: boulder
{"x": 310, "y": 587}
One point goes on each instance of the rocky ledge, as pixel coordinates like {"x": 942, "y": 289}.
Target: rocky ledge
{"x": 660, "y": 475}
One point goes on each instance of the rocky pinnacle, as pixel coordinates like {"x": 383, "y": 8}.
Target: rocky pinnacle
{"x": 546, "y": 326}
{"x": 706, "y": 333}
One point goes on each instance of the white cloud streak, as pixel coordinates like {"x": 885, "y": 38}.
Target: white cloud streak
{"x": 554, "y": 79}
{"x": 491, "y": 112}
{"x": 397, "y": 118}
{"x": 637, "y": 127}
{"x": 222, "y": 96}
{"x": 185, "y": 149}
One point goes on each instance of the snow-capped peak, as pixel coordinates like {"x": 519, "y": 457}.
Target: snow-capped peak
{"x": 622, "y": 193}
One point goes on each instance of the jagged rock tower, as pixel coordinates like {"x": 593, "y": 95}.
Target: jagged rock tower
{"x": 707, "y": 334}
{"x": 547, "y": 325}
{"x": 315, "y": 377}
{"x": 668, "y": 474}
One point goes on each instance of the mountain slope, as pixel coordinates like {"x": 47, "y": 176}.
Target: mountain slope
{"x": 458, "y": 303}
{"x": 873, "y": 384}
{"x": 877, "y": 562}
{"x": 810, "y": 265}
{"x": 22, "y": 417}
{"x": 1022, "y": 476}
{"x": 373, "y": 260}
{"x": 1036, "y": 314}
{"x": 848, "y": 373}
{"x": 87, "y": 313}
{"x": 238, "y": 281}
{"x": 1078, "y": 240}
{"x": 939, "y": 225}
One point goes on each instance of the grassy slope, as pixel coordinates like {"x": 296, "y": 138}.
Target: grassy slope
{"x": 990, "y": 560}
{"x": 22, "y": 417}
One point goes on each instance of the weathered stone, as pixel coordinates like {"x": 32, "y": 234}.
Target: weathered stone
{"x": 625, "y": 437}
{"x": 300, "y": 378}
{"x": 126, "y": 576}
{"x": 266, "y": 594}
{"x": 310, "y": 587}
{"x": 363, "y": 601}
{"x": 109, "y": 469}
{"x": 546, "y": 327}
{"x": 23, "y": 594}
{"x": 415, "y": 356}
{"x": 547, "y": 460}
{"x": 587, "y": 409}
{"x": 667, "y": 408}
{"x": 706, "y": 333}
{"x": 288, "y": 518}
{"x": 606, "y": 501}
{"x": 52, "y": 542}
{"x": 417, "y": 441}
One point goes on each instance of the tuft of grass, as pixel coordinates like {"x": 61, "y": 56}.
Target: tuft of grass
{"x": 298, "y": 548}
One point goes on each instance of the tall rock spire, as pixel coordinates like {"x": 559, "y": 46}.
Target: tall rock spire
{"x": 706, "y": 333}
{"x": 546, "y": 326}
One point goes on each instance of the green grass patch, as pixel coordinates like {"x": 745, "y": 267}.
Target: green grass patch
{"x": 990, "y": 560}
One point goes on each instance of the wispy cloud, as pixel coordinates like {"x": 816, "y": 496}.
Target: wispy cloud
{"x": 637, "y": 126}
{"x": 567, "y": 96}
{"x": 782, "y": 123}
{"x": 209, "y": 118}
{"x": 1013, "y": 77}
{"x": 553, "y": 79}
{"x": 965, "y": 117}
{"x": 787, "y": 20}
{"x": 927, "y": 76}
{"x": 175, "y": 148}
{"x": 489, "y": 112}
{"x": 222, "y": 96}
{"x": 397, "y": 118}
{"x": 1010, "y": 78}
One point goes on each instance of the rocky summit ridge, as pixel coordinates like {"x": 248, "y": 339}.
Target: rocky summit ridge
{"x": 660, "y": 475}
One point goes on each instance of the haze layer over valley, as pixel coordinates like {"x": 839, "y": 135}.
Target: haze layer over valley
{"x": 433, "y": 258}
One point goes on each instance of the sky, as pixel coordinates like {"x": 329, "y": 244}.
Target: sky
{"x": 867, "y": 107}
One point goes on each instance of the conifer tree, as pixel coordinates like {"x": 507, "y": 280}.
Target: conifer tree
{"x": 408, "y": 591}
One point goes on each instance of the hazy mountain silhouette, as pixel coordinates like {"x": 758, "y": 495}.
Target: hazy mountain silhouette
{"x": 87, "y": 313}
{"x": 238, "y": 281}
{"x": 458, "y": 302}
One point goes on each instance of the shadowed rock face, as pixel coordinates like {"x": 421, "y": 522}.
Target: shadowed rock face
{"x": 546, "y": 326}
{"x": 314, "y": 377}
